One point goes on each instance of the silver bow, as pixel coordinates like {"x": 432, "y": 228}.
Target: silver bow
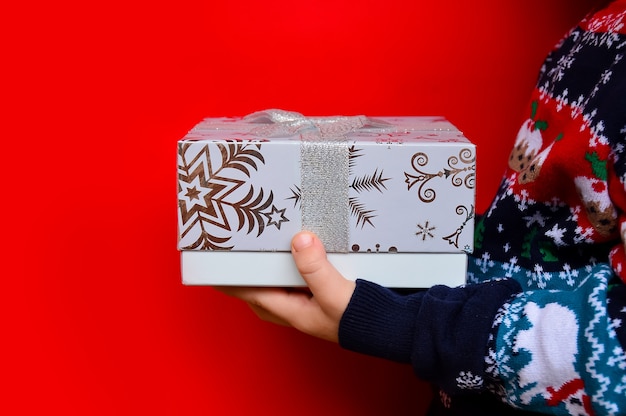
{"x": 324, "y": 171}
{"x": 281, "y": 123}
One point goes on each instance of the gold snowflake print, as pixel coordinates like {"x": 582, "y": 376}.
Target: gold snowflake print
{"x": 425, "y": 231}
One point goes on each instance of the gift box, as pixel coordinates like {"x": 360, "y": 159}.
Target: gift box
{"x": 259, "y": 268}
{"x": 388, "y": 187}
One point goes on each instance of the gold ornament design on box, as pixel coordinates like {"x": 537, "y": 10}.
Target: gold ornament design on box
{"x": 463, "y": 175}
{"x": 204, "y": 192}
{"x": 410, "y": 189}
{"x": 465, "y": 157}
{"x": 453, "y": 239}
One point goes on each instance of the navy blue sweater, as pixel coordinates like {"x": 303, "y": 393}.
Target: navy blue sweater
{"x": 540, "y": 325}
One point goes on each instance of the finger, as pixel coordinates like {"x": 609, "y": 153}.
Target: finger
{"x": 291, "y": 307}
{"x": 331, "y": 290}
{"x": 277, "y": 305}
{"x": 267, "y": 316}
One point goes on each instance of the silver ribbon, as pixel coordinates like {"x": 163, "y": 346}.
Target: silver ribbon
{"x": 324, "y": 171}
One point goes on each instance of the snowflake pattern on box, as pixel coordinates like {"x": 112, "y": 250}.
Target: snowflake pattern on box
{"x": 205, "y": 192}
{"x": 243, "y": 191}
{"x": 463, "y": 175}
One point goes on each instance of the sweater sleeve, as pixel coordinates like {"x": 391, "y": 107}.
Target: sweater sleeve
{"x": 560, "y": 352}
{"x": 442, "y": 332}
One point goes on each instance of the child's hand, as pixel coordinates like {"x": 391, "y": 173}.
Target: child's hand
{"x": 316, "y": 312}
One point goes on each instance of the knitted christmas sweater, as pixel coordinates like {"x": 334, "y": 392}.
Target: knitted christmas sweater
{"x": 540, "y": 325}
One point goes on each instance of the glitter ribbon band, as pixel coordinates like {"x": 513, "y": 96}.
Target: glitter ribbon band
{"x": 324, "y": 168}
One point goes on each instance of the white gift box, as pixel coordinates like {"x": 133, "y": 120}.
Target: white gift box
{"x": 397, "y": 270}
{"x": 378, "y": 189}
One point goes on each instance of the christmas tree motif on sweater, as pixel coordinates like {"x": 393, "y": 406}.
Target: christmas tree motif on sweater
{"x": 479, "y": 231}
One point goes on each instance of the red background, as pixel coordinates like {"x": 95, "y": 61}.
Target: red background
{"x": 94, "y": 318}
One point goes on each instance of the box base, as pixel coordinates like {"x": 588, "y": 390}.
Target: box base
{"x": 398, "y": 270}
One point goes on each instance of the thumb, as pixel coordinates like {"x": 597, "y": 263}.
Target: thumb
{"x": 331, "y": 290}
